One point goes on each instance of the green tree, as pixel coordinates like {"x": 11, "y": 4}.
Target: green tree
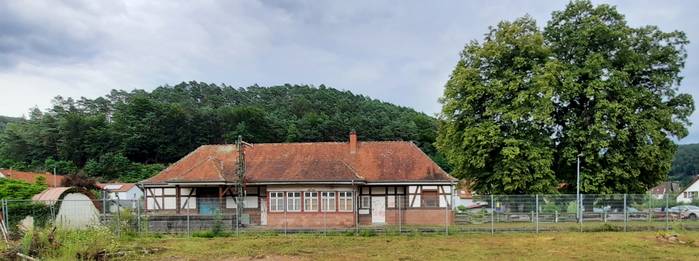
{"x": 521, "y": 106}
{"x": 17, "y": 189}
{"x": 108, "y": 166}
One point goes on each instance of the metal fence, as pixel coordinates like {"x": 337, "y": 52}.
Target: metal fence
{"x": 482, "y": 214}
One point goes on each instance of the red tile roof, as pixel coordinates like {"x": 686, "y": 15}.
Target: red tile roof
{"x": 392, "y": 161}
{"x": 30, "y": 177}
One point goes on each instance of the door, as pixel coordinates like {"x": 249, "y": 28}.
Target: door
{"x": 378, "y": 210}
{"x": 263, "y": 212}
{"x": 208, "y": 206}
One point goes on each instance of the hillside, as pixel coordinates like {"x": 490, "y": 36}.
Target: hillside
{"x": 685, "y": 163}
{"x": 4, "y": 120}
{"x": 130, "y": 135}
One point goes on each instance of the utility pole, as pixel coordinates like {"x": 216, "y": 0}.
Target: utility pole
{"x": 240, "y": 181}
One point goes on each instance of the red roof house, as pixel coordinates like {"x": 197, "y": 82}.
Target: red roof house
{"x": 358, "y": 182}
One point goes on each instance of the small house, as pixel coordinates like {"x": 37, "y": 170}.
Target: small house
{"x": 121, "y": 191}
{"x": 665, "y": 188}
{"x": 307, "y": 185}
{"x": 690, "y": 193}
{"x": 126, "y": 195}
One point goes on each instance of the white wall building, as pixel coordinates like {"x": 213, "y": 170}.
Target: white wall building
{"x": 122, "y": 191}
{"x": 690, "y": 193}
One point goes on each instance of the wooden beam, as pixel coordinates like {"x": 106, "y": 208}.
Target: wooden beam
{"x": 177, "y": 198}
{"x": 221, "y": 203}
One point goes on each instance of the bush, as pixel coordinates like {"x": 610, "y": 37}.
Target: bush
{"x": 461, "y": 209}
{"x": 58, "y": 244}
{"x": 125, "y": 223}
{"x": 17, "y": 189}
{"x": 367, "y": 233}
{"x": 18, "y": 210}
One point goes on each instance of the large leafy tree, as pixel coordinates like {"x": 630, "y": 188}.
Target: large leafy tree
{"x": 521, "y": 106}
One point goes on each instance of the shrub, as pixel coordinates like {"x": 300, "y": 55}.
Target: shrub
{"x": 17, "y": 189}
{"x": 217, "y": 227}
{"x": 18, "y": 210}
{"x": 367, "y": 233}
{"x": 461, "y": 209}
{"x": 125, "y": 222}
{"x": 58, "y": 244}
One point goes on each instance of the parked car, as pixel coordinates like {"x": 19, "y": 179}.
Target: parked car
{"x": 686, "y": 211}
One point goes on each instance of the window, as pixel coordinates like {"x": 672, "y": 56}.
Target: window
{"x": 328, "y": 199}
{"x": 345, "y": 201}
{"x": 430, "y": 199}
{"x": 293, "y": 201}
{"x": 276, "y": 201}
{"x": 366, "y": 202}
{"x": 310, "y": 201}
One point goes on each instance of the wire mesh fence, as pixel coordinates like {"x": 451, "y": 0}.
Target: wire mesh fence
{"x": 483, "y": 214}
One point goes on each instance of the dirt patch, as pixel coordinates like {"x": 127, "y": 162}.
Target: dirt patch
{"x": 672, "y": 238}
{"x": 265, "y": 257}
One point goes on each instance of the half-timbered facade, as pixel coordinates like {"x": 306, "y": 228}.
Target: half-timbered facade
{"x": 307, "y": 185}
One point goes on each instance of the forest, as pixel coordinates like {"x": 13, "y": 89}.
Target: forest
{"x": 130, "y": 135}
{"x": 685, "y": 164}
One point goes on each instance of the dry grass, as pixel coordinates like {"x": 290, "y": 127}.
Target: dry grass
{"x": 548, "y": 246}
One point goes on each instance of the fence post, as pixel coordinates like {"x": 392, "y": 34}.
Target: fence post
{"x": 285, "y": 219}
{"x": 356, "y": 212}
{"x": 492, "y": 214}
{"x": 237, "y": 214}
{"x": 626, "y": 217}
{"x": 189, "y": 231}
{"x": 650, "y": 209}
{"x": 581, "y": 206}
{"x": 4, "y": 214}
{"x": 537, "y": 213}
{"x": 325, "y": 221}
{"x": 118, "y": 221}
{"x": 400, "y": 215}
{"x": 104, "y": 207}
{"x": 667, "y": 211}
{"x": 138, "y": 215}
{"x": 446, "y": 217}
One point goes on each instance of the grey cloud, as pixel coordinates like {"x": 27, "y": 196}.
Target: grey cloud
{"x": 40, "y": 33}
{"x": 398, "y": 51}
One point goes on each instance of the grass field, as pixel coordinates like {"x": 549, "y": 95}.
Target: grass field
{"x": 513, "y": 246}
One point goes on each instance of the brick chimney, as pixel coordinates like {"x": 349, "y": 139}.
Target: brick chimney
{"x": 353, "y": 142}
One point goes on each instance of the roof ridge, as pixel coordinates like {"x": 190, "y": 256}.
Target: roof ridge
{"x": 315, "y": 142}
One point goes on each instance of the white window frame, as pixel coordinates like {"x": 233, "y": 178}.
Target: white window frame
{"x": 328, "y": 197}
{"x": 293, "y": 201}
{"x": 345, "y": 201}
{"x": 366, "y": 201}
{"x": 276, "y": 202}
{"x": 310, "y": 201}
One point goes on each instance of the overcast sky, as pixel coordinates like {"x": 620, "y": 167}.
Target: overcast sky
{"x": 397, "y": 51}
